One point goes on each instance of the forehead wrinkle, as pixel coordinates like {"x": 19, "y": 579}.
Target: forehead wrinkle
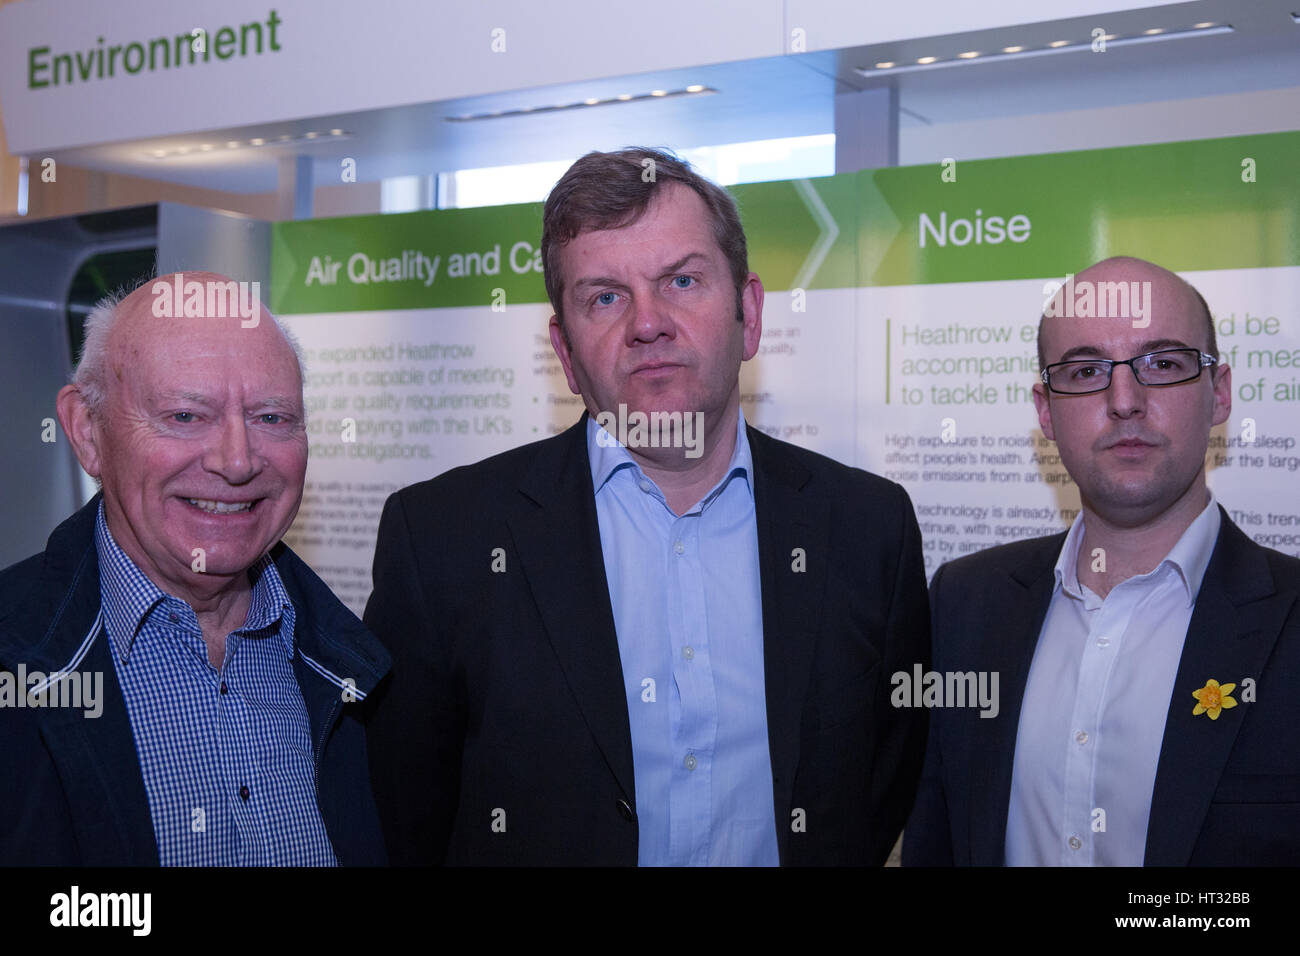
{"x": 664, "y": 270}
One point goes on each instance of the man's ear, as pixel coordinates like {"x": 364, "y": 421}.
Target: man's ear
{"x": 1043, "y": 405}
{"x": 560, "y": 342}
{"x": 81, "y": 428}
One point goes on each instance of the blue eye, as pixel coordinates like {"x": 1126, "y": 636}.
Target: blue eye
{"x": 270, "y": 418}
{"x": 605, "y": 298}
{"x": 690, "y": 281}
{"x": 183, "y": 417}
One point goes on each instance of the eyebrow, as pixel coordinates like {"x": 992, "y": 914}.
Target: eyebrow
{"x": 1151, "y": 345}
{"x": 278, "y": 401}
{"x": 667, "y": 270}
{"x": 196, "y": 398}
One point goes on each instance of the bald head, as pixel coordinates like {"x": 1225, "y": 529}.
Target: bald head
{"x": 1123, "y": 290}
{"x": 172, "y": 310}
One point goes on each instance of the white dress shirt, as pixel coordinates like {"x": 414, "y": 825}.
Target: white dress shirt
{"x": 1094, "y": 709}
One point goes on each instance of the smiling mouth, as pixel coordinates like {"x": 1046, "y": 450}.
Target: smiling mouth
{"x": 220, "y": 507}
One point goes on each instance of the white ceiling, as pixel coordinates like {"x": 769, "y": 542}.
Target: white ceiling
{"x": 767, "y": 98}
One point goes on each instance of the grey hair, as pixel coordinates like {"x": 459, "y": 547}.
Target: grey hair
{"x": 91, "y": 374}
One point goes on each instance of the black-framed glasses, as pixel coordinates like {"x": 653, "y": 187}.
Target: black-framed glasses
{"x": 1164, "y": 367}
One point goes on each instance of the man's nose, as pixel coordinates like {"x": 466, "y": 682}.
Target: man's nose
{"x": 650, "y": 316}
{"x": 1126, "y": 395}
{"x": 231, "y": 454}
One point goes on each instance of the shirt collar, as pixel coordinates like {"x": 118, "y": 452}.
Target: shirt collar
{"x": 1190, "y": 556}
{"x": 129, "y": 596}
{"x": 610, "y": 456}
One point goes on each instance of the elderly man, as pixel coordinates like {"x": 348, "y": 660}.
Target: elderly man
{"x": 226, "y": 733}
{"x": 1149, "y": 655}
{"x": 663, "y": 641}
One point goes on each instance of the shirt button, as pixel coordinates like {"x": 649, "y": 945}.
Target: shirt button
{"x": 223, "y": 688}
{"x": 173, "y": 618}
{"x": 688, "y": 653}
{"x": 679, "y": 548}
{"x": 690, "y": 763}
{"x": 1103, "y": 642}
{"x": 1075, "y": 843}
{"x": 645, "y": 486}
{"x": 1081, "y": 737}
{"x": 243, "y": 792}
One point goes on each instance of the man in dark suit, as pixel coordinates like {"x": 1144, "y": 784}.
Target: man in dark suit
{"x": 613, "y": 647}
{"x": 1149, "y": 656}
{"x": 176, "y": 686}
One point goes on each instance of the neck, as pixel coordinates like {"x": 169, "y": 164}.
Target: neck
{"x": 219, "y": 601}
{"x": 1132, "y": 549}
{"x": 686, "y": 480}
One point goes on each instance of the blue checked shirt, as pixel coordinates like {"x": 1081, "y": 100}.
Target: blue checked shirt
{"x": 688, "y": 613}
{"x": 226, "y": 756}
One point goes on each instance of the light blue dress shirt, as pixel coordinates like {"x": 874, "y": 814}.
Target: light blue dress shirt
{"x": 1093, "y": 718}
{"x": 688, "y": 611}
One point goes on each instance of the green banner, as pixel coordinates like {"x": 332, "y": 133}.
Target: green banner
{"x": 1207, "y": 204}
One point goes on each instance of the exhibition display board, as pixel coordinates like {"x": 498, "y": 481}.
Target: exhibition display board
{"x": 898, "y": 333}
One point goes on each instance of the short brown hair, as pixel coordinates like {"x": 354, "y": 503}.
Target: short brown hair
{"x": 611, "y": 190}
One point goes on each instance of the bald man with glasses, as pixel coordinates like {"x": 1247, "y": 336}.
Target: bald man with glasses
{"x": 1149, "y": 657}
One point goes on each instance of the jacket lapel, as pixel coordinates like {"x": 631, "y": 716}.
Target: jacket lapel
{"x": 1024, "y": 593}
{"x": 94, "y": 757}
{"x": 1237, "y": 619}
{"x": 787, "y": 520}
{"x": 557, "y": 537}
{"x": 100, "y": 772}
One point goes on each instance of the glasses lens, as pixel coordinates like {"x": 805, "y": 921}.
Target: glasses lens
{"x": 1079, "y": 376}
{"x": 1168, "y": 368}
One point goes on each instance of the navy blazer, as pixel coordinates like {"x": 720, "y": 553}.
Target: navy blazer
{"x": 507, "y": 702}
{"x": 71, "y": 789}
{"x": 1227, "y": 792}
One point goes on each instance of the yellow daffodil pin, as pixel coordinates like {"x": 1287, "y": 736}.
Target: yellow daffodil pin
{"x": 1213, "y": 698}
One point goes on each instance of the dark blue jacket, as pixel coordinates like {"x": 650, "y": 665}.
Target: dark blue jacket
{"x": 71, "y": 789}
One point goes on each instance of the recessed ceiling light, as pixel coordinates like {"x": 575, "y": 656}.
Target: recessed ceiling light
{"x": 1203, "y": 24}
{"x": 160, "y": 153}
{"x": 205, "y": 147}
{"x": 313, "y": 134}
{"x": 1153, "y": 31}
{"x": 625, "y": 96}
{"x": 1012, "y": 49}
{"x": 886, "y": 65}
{"x": 591, "y": 101}
{"x": 336, "y": 132}
{"x": 658, "y": 92}
{"x": 970, "y": 55}
{"x": 926, "y": 59}
{"x": 232, "y": 144}
{"x": 695, "y": 88}
{"x": 257, "y": 141}
{"x": 1058, "y": 43}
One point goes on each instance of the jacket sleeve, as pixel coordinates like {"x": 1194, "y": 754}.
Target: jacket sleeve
{"x": 415, "y": 723}
{"x": 900, "y": 742}
{"x": 927, "y": 839}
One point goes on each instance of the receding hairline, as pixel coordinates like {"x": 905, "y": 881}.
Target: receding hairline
{"x": 104, "y": 330}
